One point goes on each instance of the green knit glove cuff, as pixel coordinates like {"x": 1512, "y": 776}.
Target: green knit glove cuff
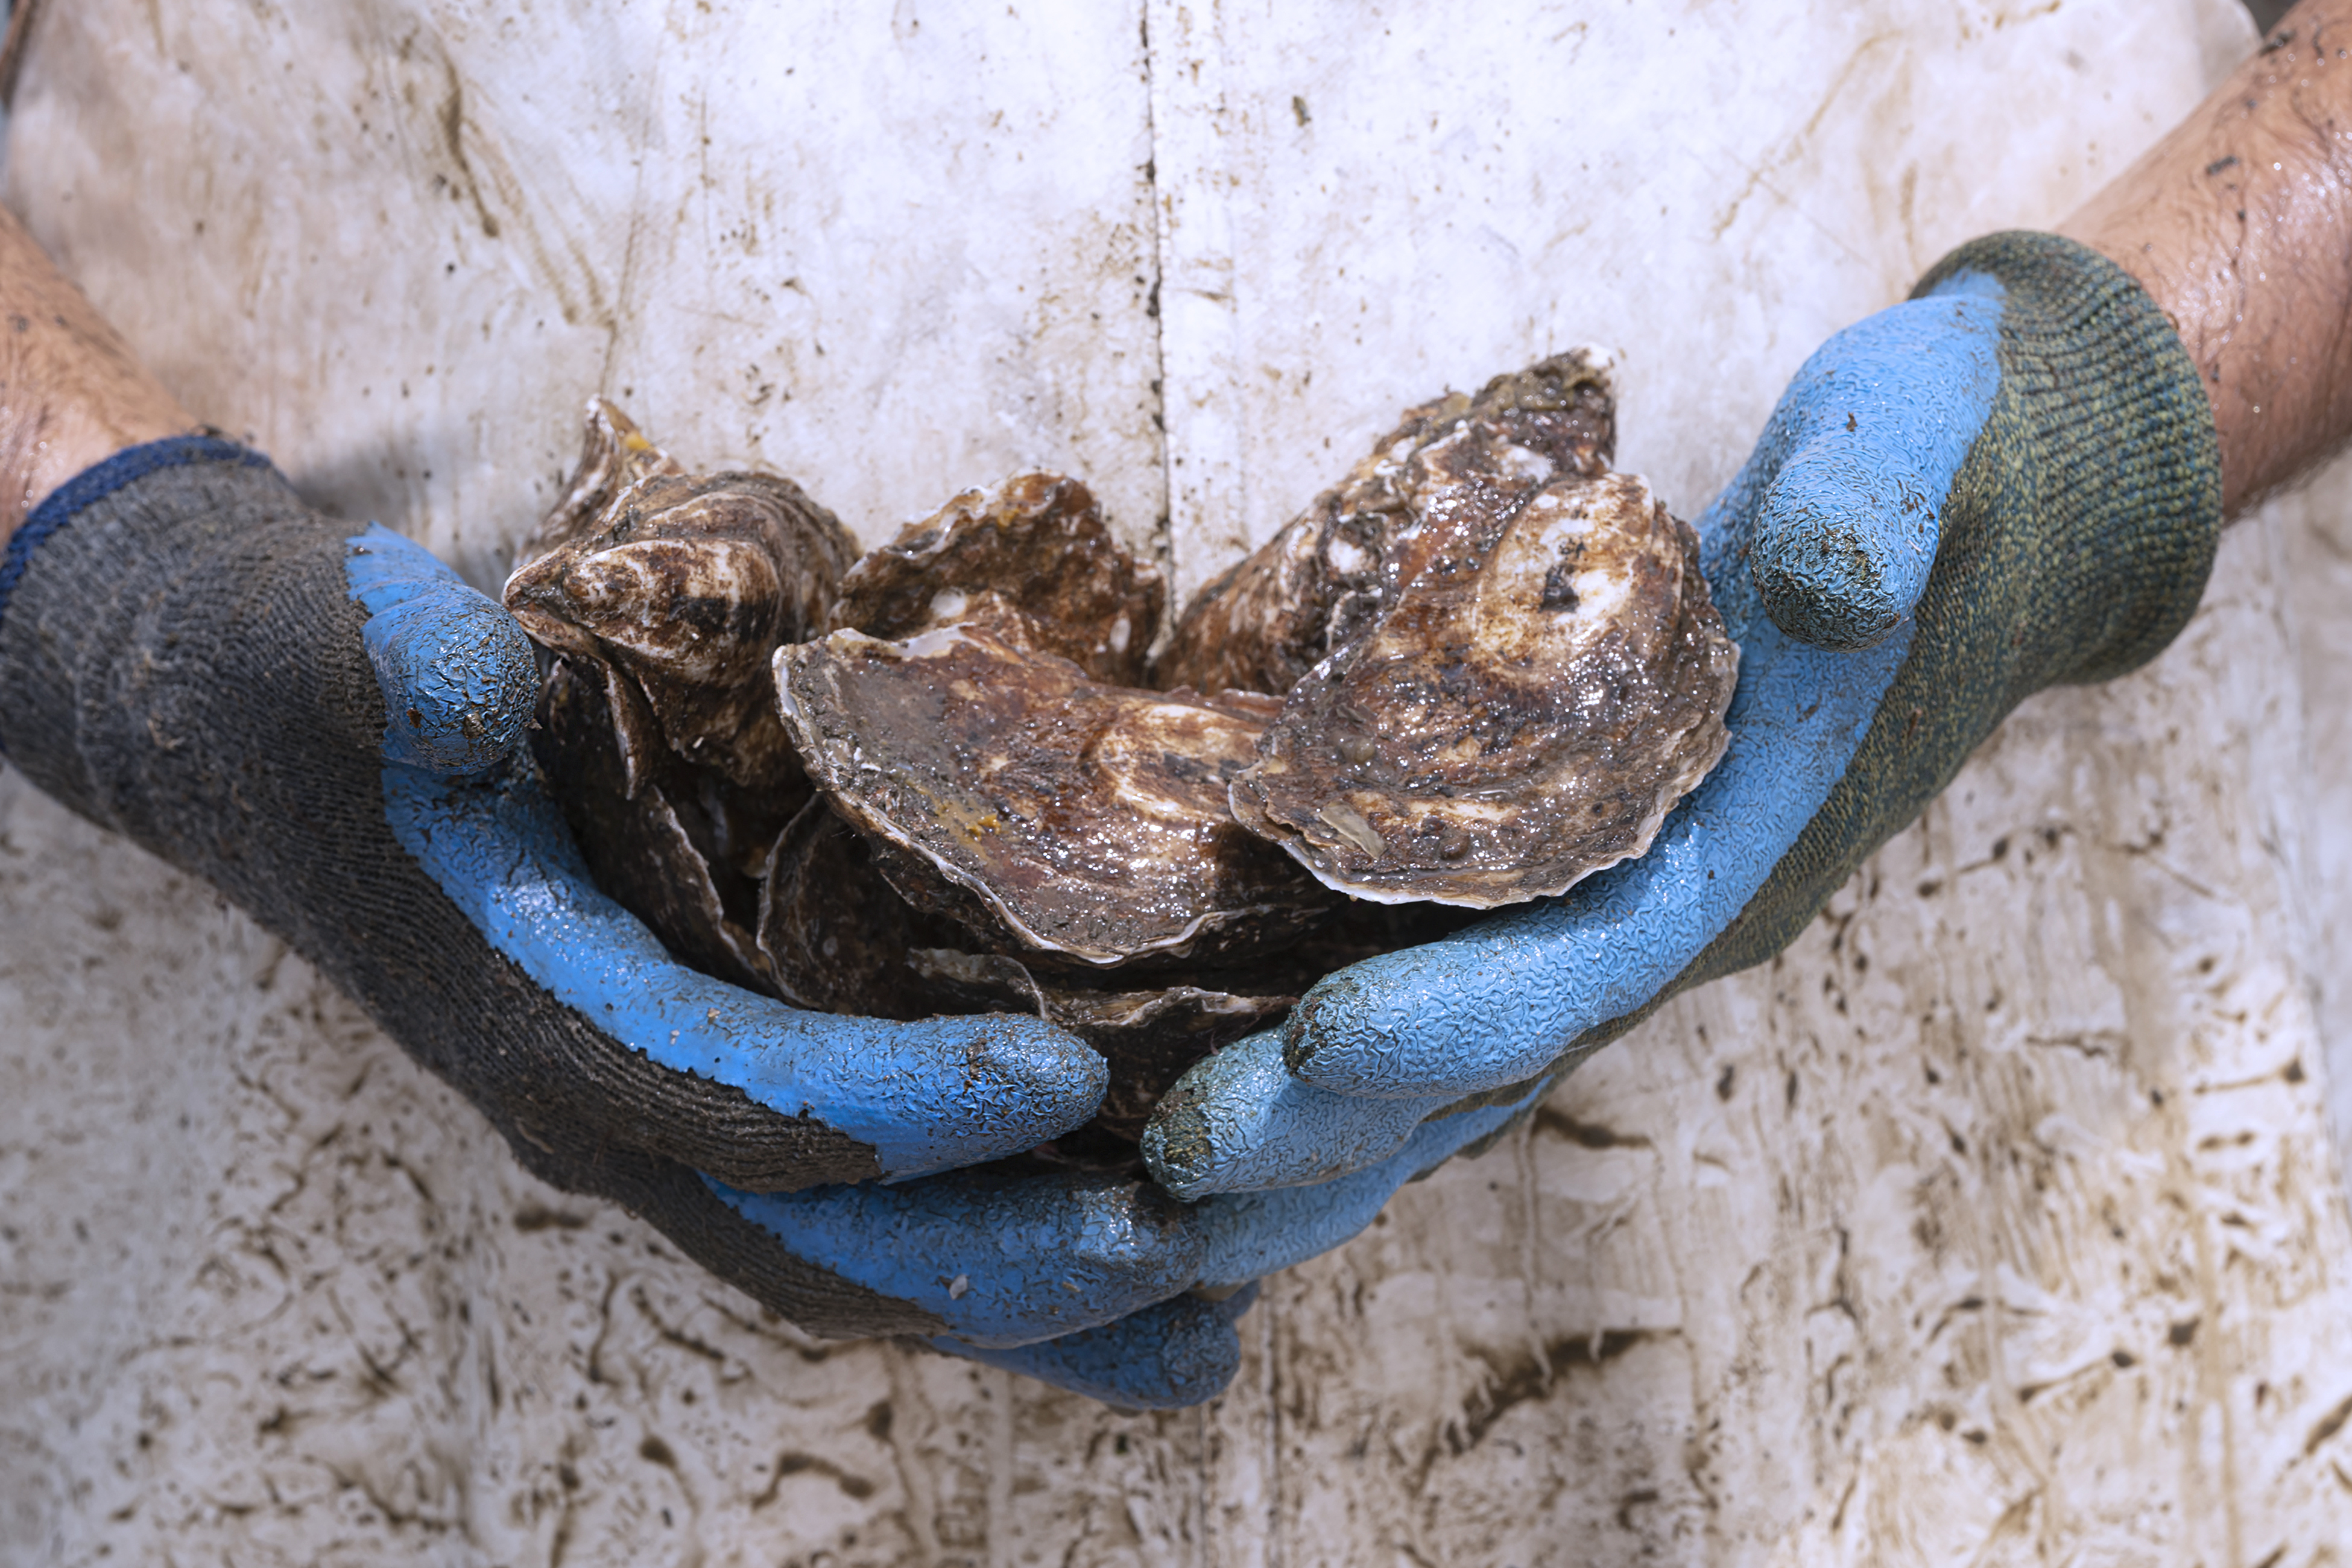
{"x": 2092, "y": 503}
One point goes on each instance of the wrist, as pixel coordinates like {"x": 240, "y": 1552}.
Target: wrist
{"x": 2239, "y": 227}
{"x": 2099, "y": 466}
{"x": 76, "y": 394}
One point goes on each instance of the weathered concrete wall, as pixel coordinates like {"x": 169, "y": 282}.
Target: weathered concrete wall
{"x": 1996, "y": 1223}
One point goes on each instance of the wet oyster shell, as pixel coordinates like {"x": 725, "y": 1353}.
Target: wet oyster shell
{"x": 835, "y": 934}
{"x": 1053, "y": 814}
{"x": 677, "y": 589}
{"x": 679, "y": 871}
{"x": 614, "y": 455}
{"x": 1152, "y": 1038}
{"x": 1358, "y": 929}
{"x": 1550, "y": 675}
{"x": 1031, "y": 558}
{"x": 838, "y": 938}
{"x": 1149, "y": 1037}
{"x": 1324, "y": 579}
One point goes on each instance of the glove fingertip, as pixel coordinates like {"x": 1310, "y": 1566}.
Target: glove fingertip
{"x": 1179, "y": 1353}
{"x": 1054, "y": 1075}
{"x": 1238, "y": 1122}
{"x": 1843, "y": 544}
{"x": 458, "y": 677}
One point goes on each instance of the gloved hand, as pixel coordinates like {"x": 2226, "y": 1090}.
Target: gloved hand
{"x": 320, "y": 723}
{"x": 2008, "y": 482}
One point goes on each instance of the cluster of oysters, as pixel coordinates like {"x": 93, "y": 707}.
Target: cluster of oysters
{"x": 965, "y": 772}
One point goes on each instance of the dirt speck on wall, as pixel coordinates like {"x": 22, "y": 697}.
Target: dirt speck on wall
{"x": 1997, "y": 1222}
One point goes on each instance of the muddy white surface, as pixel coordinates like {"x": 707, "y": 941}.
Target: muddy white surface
{"x": 1997, "y": 1222}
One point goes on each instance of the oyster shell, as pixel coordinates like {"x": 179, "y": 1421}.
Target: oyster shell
{"x": 663, "y": 594}
{"x": 1502, "y": 666}
{"x": 675, "y": 588}
{"x": 1032, "y": 560}
{"x": 835, "y": 934}
{"x": 1152, "y": 1038}
{"x": 614, "y": 455}
{"x": 1547, "y": 678}
{"x": 1149, "y": 1037}
{"x": 676, "y": 864}
{"x": 1322, "y": 581}
{"x": 838, "y": 938}
{"x": 1049, "y": 812}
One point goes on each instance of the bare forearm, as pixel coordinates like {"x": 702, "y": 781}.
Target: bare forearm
{"x": 70, "y": 392}
{"x": 2240, "y": 223}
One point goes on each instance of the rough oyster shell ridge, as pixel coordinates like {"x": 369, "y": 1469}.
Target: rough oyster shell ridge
{"x": 643, "y": 848}
{"x": 1549, "y": 676}
{"x": 1323, "y": 580}
{"x": 677, "y": 588}
{"x": 1031, "y": 559}
{"x": 1047, "y": 811}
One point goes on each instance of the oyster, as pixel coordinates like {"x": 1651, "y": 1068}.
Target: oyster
{"x": 1547, "y": 678}
{"x": 678, "y": 864}
{"x": 1048, "y": 812}
{"x": 1502, "y": 669}
{"x": 1150, "y": 1037}
{"x": 663, "y": 594}
{"x": 614, "y": 455}
{"x": 675, "y": 588}
{"x": 1321, "y": 581}
{"x": 1031, "y": 558}
{"x": 835, "y": 935}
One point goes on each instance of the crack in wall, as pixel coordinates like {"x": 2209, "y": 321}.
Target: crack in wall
{"x": 1163, "y": 530}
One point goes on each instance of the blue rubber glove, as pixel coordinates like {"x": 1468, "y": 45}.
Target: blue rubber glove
{"x": 2008, "y": 482}
{"x": 324, "y": 724}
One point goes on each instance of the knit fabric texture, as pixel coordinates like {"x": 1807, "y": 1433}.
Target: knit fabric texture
{"x": 180, "y": 662}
